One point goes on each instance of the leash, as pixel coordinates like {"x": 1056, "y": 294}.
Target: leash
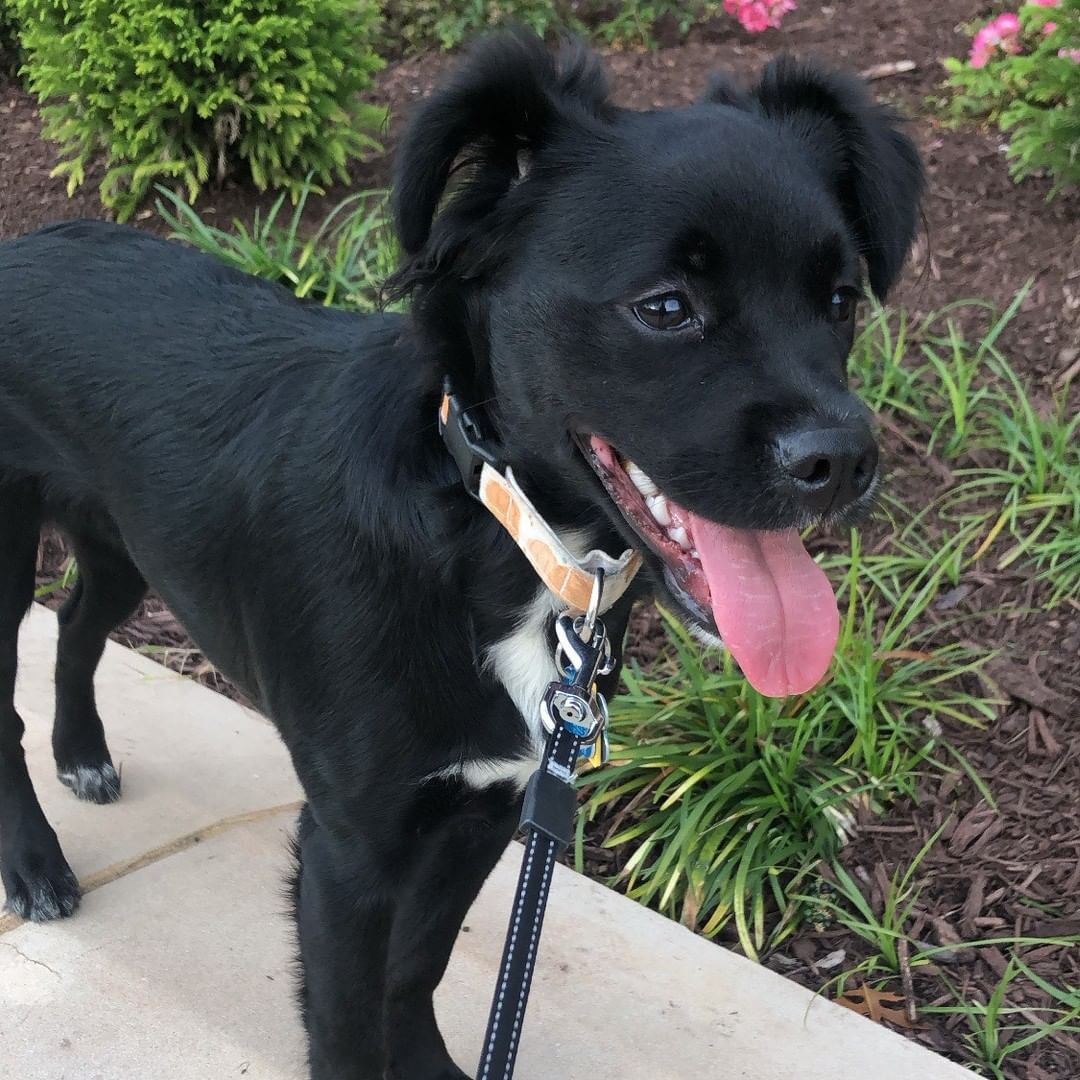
{"x": 574, "y": 715}
{"x": 572, "y": 710}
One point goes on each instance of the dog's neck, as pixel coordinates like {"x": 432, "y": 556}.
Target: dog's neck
{"x": 459, "y": 539}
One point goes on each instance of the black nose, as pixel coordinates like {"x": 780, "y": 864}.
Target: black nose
{"x": 826, "y": 469}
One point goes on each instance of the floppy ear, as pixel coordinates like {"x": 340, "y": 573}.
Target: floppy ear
{"x": 873, "y": 166}
{"x": 501, "y": 106}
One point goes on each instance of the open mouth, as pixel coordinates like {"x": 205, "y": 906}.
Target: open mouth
{"x": 759, "y": 590}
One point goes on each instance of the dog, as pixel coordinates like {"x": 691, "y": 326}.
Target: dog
{"x": 653, "y": 312}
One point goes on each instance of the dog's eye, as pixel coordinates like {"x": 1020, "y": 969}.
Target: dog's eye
{"x": 668, "y": 311}
{"x": 842, "y": 304}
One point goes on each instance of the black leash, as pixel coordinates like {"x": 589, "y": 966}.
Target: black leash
{"x": 575, "y": 717}
{"x": 573, "y": 712}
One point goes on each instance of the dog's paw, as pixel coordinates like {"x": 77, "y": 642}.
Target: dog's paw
{"x": 93, "y": 783}
{"x": 40, "y": 888}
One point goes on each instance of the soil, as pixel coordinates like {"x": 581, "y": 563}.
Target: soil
{"x": 1013, "y": 870}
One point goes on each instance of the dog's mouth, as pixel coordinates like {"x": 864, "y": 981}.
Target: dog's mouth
{"x": 760, "y": 591}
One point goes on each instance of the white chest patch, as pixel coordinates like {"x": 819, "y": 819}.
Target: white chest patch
{"x": 524, "y": 662}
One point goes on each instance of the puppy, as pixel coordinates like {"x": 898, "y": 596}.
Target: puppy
{"x": 653, "y": 310}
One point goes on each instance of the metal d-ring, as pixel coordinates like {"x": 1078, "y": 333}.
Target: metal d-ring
{"x": 593, "y": 611}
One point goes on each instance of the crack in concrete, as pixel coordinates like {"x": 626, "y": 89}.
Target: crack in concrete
{"x": 30, "y": 959}
{"x": 121, "y": 869}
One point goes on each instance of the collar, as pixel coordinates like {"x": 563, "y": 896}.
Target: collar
{"x": 487, "y": 478}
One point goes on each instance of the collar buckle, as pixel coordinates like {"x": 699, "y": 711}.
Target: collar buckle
{"x": 491, "y": 482}
{"x": 468, "y": 441}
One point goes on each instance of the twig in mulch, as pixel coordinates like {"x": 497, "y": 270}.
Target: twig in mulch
{"x": 1067, "y": 375}
{"x": 1067, "y": 927}
{"x": 910, "y": 1008}
{"x": 888, "y": 70}
{"x": 925, "y": 456}
{"x": 1021, "y": 682}
{"x": 994, "y": 959}
{"x": 1038, "y": 729}
{"x": 973, "y": 905}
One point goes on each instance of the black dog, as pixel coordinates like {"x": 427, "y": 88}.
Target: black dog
{"x": 654, "y": 310}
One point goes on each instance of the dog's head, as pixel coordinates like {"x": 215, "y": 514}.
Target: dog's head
{"x": 658, "y": 307}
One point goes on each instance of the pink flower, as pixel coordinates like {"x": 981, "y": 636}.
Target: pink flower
{"x": 1044, "y": 3}
{"x": 983, "y": 44}
{"x": 755, "y": 17}
{"x": 1049, "y": 28}
{"x": 1008, "y": 27}
{"x": 1070, "y": 54}
{"x": 759, "y": 15}
{"x": 1003, "y": 32}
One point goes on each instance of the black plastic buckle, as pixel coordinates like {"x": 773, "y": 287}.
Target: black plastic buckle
{"x": 549, "y": 807}
{"x": 467, "y": 440}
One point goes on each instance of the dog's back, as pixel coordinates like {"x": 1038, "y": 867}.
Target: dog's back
{"x": 161, "y": 406}
{"x": 73, "y": 387}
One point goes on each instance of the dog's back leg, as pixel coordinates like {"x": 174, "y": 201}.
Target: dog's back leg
{"x": 38, "y": 881}
{"x": 107, "y": 591}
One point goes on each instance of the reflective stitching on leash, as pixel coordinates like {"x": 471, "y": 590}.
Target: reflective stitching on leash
{"x": 538, "y": 921}
{"x": 530, "y": 854}
{"x": 534, "y": 937}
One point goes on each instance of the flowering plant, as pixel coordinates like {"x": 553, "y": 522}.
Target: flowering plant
{"x": 758, "y": 15}
{"x": 1023, "y": 73}
{"x": 632, "y": 22}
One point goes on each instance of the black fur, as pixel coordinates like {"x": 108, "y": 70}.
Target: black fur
{"x": 274, "y": 470}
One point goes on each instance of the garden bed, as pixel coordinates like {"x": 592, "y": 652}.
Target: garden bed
{"x": 1013, "y": 871}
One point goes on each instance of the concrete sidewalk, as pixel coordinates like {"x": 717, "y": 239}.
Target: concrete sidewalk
{"x": 178, "y": 966}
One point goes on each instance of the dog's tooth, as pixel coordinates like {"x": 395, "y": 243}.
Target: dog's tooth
{"x": 680, "y": 537}
{"x": 640, "y": 480}
{"x": 659, "y": 509}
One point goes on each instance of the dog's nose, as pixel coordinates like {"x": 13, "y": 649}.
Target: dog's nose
{"x": 828, "y": 468}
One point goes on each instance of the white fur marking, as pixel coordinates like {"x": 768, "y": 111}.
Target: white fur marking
{"x": 483, "y": 772}
{"x": 524, "y": 662}
{"x": 91, "y": 781}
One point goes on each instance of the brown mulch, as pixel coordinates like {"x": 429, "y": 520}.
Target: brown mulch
{"x": 984, "y": 236}
{"x": 1010, "y": 870}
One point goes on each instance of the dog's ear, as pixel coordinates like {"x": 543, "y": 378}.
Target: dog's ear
{"x": 724, "y": 89}
{"x": 500, "y": 107}
{"x": 873, "y": 166}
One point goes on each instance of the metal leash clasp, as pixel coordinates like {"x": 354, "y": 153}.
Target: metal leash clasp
{"x": 571, "y": 705}
{"x": 583, "y": 653}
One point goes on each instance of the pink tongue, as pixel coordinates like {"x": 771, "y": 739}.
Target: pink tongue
{"x": 772, "y": 603}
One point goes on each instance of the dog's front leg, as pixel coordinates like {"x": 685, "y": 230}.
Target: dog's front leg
{"x": 345, "y": 899}
{"x": 450, "y": 862}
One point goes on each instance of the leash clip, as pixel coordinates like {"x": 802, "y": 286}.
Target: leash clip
{"x": 583, "y": 653}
